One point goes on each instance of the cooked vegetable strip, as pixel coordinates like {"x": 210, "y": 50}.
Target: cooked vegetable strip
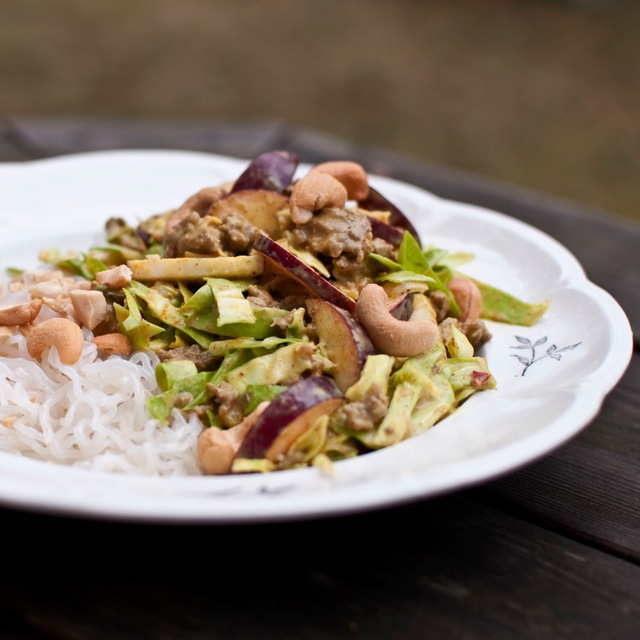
{"x": 437, "y": 398}
{"x": 188, "y": 391}
{"x": 501, "y": 306}
{"x": 259, "y": 393}
{"x": 394, "y": 425}
{"x": 169, "y": 315}
{"x": 168, "y": 373}
{"x": 232, "y": 306}
{"x": 185, "y": 391}
{"x": 201, "y": 312}
{"x": 276, "y": 367}
{"x": 189, "y": 269}
{"x": 139, "y": 331}
{"x": 222, "y": 347}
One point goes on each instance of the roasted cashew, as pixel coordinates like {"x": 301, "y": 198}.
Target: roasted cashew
{"x": 389, "y": 335}
{"x": 20, "y": 314}
{"x": 89, "y": 307}
{"x": 350, "y": 174}
{"x": 314, "y": 192}
{"x": 467, "y": 296}
{"x": 216, "y": 451}
{"x": 64, "y": 335}
{"x": 115, "y": 277}
{"x": 113, "y": 343}
{"x": 218, "y": 447}
{"x": 328, "y": 184}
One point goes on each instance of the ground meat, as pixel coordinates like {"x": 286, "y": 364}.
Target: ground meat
{"x": 284, "y": 322}
{"x": 384, "y": 248}
{"x": 440, "y": 304}
{"x": 203, "y": 411}
{"x": 183, "y": 399}
{"x": 333, "y": 232}
{"x": 476, "y": 331}
{"x": 294, "y": 300}
{"x": 260, "y": 297}
{"x": 345, "y": 236}
{"x": 237, "y": 234}
{"x": 364, "y": 415}
{"x": 308, "y": 353}
{"x": 210, "y": 236}
{"x": 230, "y": 406}
{"x": 351, "y": 274}
{"x": 195, "y": 235}
{"x": 203, "y": 360}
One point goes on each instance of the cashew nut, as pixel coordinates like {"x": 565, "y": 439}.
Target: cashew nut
{"x": 115, "y": 277}
{"x": 61, "y": 333}
{"x": 90, "y": 307}
{"x": 328, "y": 184}
{"x": 389, "y": 335}
{"x": 113, "y": 343}
{"x": 216, "y": 451}
{"x": 218, "y": 447}
{"x": 467, "y": 296}
{"x": 350, "y": 174}
{"x": 20, "y": 314}
{"x": 314, "y": 192}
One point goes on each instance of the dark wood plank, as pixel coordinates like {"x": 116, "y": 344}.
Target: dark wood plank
{"x": 589, "y": 488}
{"x": 445, "y": 568}
{"x": 13, "y": 626}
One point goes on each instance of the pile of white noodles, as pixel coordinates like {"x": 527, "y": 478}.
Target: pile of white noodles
{"x": 91, "y": 414}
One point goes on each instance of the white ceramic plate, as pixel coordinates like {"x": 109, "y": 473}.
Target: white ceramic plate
{"x": 551, "y": 378}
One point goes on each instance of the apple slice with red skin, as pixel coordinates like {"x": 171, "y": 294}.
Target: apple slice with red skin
{"x": 258, "y": 206}
{"x": 270, "y": 171}
{"x": 403, "y": 308}
{"x": 345, "y": 341}
{"x": 288, "y": 416}
{"x": 393, "y": 235}
{"x": 375, "y": 201}
{"x": 287, "y": 264}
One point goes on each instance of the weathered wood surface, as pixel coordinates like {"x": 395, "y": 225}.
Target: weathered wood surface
{"x": 549, "y": 551}
{"x": 445, "y": 568}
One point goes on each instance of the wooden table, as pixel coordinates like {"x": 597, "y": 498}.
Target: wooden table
{"x": 549, "y": 551}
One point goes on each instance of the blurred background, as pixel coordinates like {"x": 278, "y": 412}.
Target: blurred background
{"x": 542, "y": 94}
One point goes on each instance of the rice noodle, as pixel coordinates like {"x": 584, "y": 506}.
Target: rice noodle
{"x": 90, "y": 415}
